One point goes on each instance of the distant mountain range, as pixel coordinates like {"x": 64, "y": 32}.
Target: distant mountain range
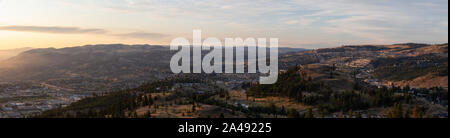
{"x": 115, "y": 61}
{"x": 92, "y": 61}
{"x": 406, "y": 64}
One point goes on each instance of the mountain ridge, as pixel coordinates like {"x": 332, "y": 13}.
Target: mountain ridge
{"x": 120, "y": 61}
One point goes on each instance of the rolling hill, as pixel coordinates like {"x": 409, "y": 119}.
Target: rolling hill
{"x": 114, "y": 61}
{"x": 94, "y": 61}
{"x": 417, "y": 65}
{"x": 5, "y": 54}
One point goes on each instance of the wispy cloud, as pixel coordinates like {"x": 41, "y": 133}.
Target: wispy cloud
{"x": 142, "y": 35}
{"x": 303, "y": 21}
{"x": 76, "y": 30}
{"x": 53, "y": 29}
{"x": 381, "y": 21}
{"x": 311, "y": 22}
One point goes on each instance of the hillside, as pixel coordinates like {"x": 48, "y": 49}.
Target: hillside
{"x": 403, "y": 64}
{"x": 319, "y": 82}
{"x": 399, "y": 64}
{"x": 99, "y": 61}
{"x": 295, "y": 95}
{"x": 93, "y": 61}
{"x": 5, "y": 54}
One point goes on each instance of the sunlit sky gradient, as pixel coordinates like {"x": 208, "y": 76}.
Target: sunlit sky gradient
{"x": 297, "y": 23}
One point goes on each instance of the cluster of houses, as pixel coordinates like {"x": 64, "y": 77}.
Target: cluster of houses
{"x": 21, "y": 109}
{"x": 14, "y": 109}
{"x": 22, "y": 100}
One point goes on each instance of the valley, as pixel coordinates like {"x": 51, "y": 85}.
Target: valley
{"x": 86, "y": 82}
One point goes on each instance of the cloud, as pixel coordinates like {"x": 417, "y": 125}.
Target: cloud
{"x": 201, "y": 9}
{"x": 444, "y": 23}
{"x": 302, "y": 21}
{"x": 300, "y": 12}
{"x": 77, "y": 30}
{"x": 377, "y": 21}
{"x": 52, "y": 29}
{"x": 142, "y": 35}
{"x": 295, "y": 21}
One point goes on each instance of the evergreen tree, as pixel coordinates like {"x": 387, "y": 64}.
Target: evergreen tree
{"x": 135, "y": 114}
{"x": 150, "y": 100}
{"x": 283, "y": 110}
{"x": 350, "y": 113}
{"x": 322, "y": 115}
{"x": 396, "y": 111}
{"x": 418, "y": 112}
{"x": 273, "y": 109}
{"x": 358, "y": 115}
{"x": 309, "y": 113}
{"x": 427, "y": 115}
{"x": 292, "y": 113}
{"x": 148, "y": 114}
{"x": 193, "y": 108}
{"x": 146, "y": 102}
{"x": 407, "y": 113}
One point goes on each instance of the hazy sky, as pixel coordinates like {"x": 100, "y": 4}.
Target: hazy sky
{"x": 297, "y": 23}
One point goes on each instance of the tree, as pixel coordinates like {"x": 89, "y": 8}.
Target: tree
{"x": 417, "y": 112}
{"x": 146, "y": 101}
{"x": 358, "y": 115}
{"x": 148, "y": 114}
{"x": 322, "y": 115}
{"x": 407, "y": 113}
{"x": 399, "y": 110}
{"x": 292, "y": 113}
{"x": 332, "y": 69}
{"x": 350, "y": 113}
{"x": 396, "y": 111}
{"x": 427, "y": 115}
{"x": 273, "y": 109}
{"x": 193, "y": 108}
{"x": 150, "y": 100}
{"x": 309, "y": 113}
{"x": 91, "y": 113}
{"x": 135, "y": 114}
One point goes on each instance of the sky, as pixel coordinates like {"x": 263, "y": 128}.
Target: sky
{"x": 297, "y": 23}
